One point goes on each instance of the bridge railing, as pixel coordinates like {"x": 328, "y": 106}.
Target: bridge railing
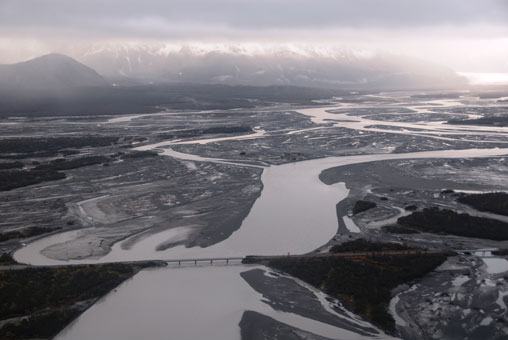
{"x": 223, "y": 260}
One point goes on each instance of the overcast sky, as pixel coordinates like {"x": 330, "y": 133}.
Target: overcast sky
{"x": 468, "y": 35}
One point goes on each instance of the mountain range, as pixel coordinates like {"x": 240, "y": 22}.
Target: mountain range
{"x": 338, "y": 68}
{"x": 342, "y": 69}
{"x": 140, "y": 80}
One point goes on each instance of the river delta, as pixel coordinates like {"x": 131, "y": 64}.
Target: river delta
{"x": 285, "y": 184}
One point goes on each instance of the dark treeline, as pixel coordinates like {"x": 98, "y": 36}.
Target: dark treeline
{"x": 26, "y": 291}
{"x": 11, "y": 179}
{"x": 211, "y": 130}
{"x": 398, "y": 229}
{"x": 139, "y": 154}
{"x": 16, "y": 179}
{"x": 495, "y": 202}
{"x": 23, "y": 147}
{"x": 27, "y": 232}
{"x": 42, "y": 326}
{"x": 364, "y": 284}
{"x": 363, "y": 206}
{"x": 495, "y": 121}
{"x": 435, "y": 220}
{"x": 6, "y": 259}
{"x": 362, "y": 244}
{"x": 68, "y": 164}
{"x": 11, "y": 165}
{"x": 148, "y": 98}
{"x": 48, "y": 295}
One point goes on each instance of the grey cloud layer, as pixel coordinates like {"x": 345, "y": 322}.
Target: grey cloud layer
{"x": 194, "y": 18}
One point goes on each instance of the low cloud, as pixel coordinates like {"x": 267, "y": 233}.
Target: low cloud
{"x": 128, "y": 18}
{"x": 439, "y": 30}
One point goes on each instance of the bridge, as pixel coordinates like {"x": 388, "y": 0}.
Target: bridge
{"x": 265, "y": 259}
{"x": 251, "y": 259}
{"x": 208, "y": 260}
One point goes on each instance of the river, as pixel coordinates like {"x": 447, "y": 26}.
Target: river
{"x": 294, "y": 214}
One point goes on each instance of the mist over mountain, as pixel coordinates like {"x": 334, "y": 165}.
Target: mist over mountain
{"x": 339, "y": 69}
{"x": 48, "y": 74}
{"x": 187, "y": 78}
{"x": 127, "y": 65}
{"x": 55, "y": 84}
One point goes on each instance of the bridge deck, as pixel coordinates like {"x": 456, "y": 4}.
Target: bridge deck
{"x": 264, "y": 258}
{"x": 210, "y": 260}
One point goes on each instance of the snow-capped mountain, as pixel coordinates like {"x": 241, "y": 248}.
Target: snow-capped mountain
{"x": 261, "y": 65}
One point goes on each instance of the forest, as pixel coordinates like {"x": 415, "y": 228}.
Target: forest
{"x": 187, "y": 133}
{"x": 362, "y": 283}
{"x": 398, "y": 229}
{"x": 494, "y": 202}
{"x": 41, "y": 301}
{"x": 11, "y": 165}
{"x": 22, "y": 147}
{"x": 495, "y": 121}
{"x": 361, "y": 206}
{"x": 139, "y": 154}
{"x": 68, "y": 164}
{"x": 445, "y": 221}
{"x": 11, "y": 179}
{"x": 149, "y": 98}
{"x": 27, "y": 232}
{"x": 6, "y": 259}
{"x": 362, "y": 245}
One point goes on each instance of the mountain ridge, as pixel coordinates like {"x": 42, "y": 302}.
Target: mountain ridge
{"x": 331, "y": 68}
{"x": 48, "y": 73}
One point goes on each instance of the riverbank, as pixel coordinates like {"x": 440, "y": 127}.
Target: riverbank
{"x": 363, "y": 281}
{"x": 40, "y": 302}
